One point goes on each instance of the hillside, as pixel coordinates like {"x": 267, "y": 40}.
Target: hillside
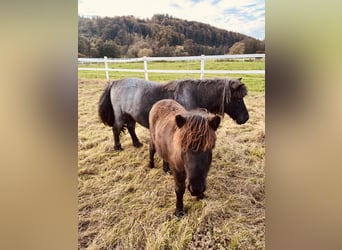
{"x": 162, "y": 35}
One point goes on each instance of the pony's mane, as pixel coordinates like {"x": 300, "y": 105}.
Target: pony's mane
{"x": 196, "y": 134}
{"x": 205, "y": 83}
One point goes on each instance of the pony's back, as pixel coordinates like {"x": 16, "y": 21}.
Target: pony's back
{"x": 163, "y": 110}
{"x": 163, "y": 127}
{"x": 134, "y": 97}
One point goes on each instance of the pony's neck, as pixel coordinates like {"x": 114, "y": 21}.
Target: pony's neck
{"x": 216, "y": 99}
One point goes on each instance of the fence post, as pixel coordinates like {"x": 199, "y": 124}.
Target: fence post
{"x": 202, "y": 67}
{"x": 106, "y": 67}
{"x": 145, "y": 68}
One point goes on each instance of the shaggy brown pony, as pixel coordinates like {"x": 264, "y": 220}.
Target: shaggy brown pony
{"x": 184, "y": 140}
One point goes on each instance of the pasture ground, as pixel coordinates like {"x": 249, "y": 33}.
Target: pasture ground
{"x": 125, "y": 205}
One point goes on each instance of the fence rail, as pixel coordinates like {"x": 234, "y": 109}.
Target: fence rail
{"x": 201, "y": 58}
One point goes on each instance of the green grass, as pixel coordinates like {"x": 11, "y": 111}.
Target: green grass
{"x": 122, "y": 204}
{"x": 255, "y": 83}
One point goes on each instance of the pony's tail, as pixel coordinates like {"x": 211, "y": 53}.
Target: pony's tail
{"x": 106, "y": 111}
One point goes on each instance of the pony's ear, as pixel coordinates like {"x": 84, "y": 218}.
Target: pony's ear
{"x": 240, "y": 79}
{"x": 180, "y": 121}
{"x": 234, "y": 84}
{"x": 214, "y": 122}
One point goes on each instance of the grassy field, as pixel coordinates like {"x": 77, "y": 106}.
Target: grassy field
{"x": 255, "y": 82}
{"x": 125, "y": 205}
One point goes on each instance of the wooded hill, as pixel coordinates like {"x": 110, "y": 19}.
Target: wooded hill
{"x": 162, "y": 35}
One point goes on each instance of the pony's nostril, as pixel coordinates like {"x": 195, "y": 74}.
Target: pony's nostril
{"x": 247, "y": 117}
{"x": 242, "y": 119}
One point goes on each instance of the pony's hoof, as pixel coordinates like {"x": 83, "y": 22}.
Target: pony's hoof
{"x": 201, "y": 197}
{"x": 151, "y": 165}
{"x": 179, "y": 213}
{"x": 137, "y": 144}
{"x": 118, "y": 148}
{"x": 167, "y": 171}
{"x": 166, "y": 167}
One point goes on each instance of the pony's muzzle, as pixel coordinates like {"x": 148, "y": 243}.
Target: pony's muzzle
{"x": 197, "y": 190}
{"x": 242, "y": 119}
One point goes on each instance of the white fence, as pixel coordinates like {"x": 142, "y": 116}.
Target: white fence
{"x": 145, "y": 59}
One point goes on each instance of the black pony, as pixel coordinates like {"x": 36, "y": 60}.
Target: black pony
{"x": 127, "y": 101}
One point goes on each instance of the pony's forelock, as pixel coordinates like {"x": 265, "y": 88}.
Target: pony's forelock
{"x": 196, "y": 134}
{"x": 241, "y": 92}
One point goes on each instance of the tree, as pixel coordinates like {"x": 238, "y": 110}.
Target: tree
{"x": 189, "y": 46}
{"x": 145, "y": 52}
{"x": 83, "y": 45}
{"x": 94, "y": 53}
{"x": 133, "y": 51}
{"x": 237, "y": 48}
{"x": 250, "y": 45}
{"x": 109, "y": 49}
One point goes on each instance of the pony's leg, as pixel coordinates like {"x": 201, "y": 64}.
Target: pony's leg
{"x": 117, "y": 127}
{"x": 180, "y": 189}
{"x": 152, "y": 152}
{"x": 166, "y": 167}
{"x": 116, "y": 133}
{"x": 131, "y": 130}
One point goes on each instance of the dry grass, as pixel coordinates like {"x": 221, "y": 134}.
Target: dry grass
{"x": 125, "y": 205}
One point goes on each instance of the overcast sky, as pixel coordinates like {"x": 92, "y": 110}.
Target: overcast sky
{"x": 243, "y": 16}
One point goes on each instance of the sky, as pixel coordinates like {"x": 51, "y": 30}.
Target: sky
{"x": 243, "y": 16}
